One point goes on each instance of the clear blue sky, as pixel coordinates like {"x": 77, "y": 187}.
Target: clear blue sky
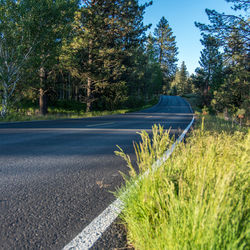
{"x": 181, "y": 15}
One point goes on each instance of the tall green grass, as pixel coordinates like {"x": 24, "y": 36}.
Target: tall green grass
{"x": 199, "y": 198}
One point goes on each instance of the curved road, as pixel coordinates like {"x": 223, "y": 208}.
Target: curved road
{"x": 57, "y": 176}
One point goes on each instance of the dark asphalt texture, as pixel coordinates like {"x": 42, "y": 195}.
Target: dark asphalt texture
{"x": 57, "y": 176}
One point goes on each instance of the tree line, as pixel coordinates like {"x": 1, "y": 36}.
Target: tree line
{"x": 98, "y": 53}
{"x": 95, "y": 52}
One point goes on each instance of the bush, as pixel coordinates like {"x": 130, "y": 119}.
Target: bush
{"x": 134, "y": 101}
{"x": 69, "y": 105}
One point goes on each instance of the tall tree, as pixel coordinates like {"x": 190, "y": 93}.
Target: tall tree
{"x": 47, "y": 22}
{"x": 109, "y": 36}
{"x": 153, "y": 75}
{"x": 212, "y": 65}
{"x": 166, "y": 49}
{"x": 233, "y": 33}
{"x": 14, "y": 49}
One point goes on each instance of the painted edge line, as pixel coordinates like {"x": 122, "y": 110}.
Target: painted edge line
{"x": 90, "y": 234}
{"x": 100, "y": 124}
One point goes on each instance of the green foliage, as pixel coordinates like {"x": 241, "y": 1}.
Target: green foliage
{"x": 64, "y": 109}
{"x": 14, "y": 50}
{"x": 161, "y": 52}
{"x": 166, "y": 49}
{"x": 181, "y": 84}
{"x": 153, "y": 76}
{"x": 198, "y": 199}
{"x": 106, "y": 52}
{"x": 69, "y": 105}
{"x": 210, "y": 76}
{"x": 93, "y": 52}
{"x": 31, "y": 36}
{"x": 229, "y": 86}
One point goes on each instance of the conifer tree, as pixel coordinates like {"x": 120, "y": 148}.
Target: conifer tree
{"x": 211, "y": 69}
{"x": 166, "y": 49}
{"x": 180, "y": 83}
{"x": 233, "y": 34}
{"x": 153, "y": 75}
{"x": 105, "y": 53}
{"x": 211, "y": 62}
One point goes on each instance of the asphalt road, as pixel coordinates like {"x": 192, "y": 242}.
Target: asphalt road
{"x": 57, "y": 176}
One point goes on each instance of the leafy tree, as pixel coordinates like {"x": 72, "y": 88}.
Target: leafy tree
{"x": 48, "y": 23}
{"x": 165, "y": 45}
{"x": 14, "y": 51}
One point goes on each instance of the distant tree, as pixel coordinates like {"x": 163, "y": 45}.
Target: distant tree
{"x": 180, "y": 84}
{"x": 166, "y": 48}
{"x": 133, "y": 36}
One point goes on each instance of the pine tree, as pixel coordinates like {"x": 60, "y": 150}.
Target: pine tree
{"x": 166, "y": 49}
{"x": 232, "y": 31}
{"x": 106, "y": 50}
{"x": 211, "y": 64}
{"x": 153, "y": 75}
{"x": 180, "y": 83}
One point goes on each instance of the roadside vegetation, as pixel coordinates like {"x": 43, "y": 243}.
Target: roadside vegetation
{"x": 65, "y": 111}
{"x": 197, "y": 199}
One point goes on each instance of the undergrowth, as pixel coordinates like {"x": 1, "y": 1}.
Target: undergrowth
{"x": 56, "y": 114}
{"x": 197, "y": 199}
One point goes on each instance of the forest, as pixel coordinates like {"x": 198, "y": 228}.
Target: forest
{"x": 96, "y": 55}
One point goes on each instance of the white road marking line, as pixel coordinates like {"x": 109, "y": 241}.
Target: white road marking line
{"x": 100, "y": 124}
{"x": 95, "y": 229}
{"x": 90, "y": 234}
{"x": 147, "y": 117}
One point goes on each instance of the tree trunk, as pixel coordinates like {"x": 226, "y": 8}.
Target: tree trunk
{"x": 88, "y": 102}
{"x": 76, "y": 93}
{"x": 4, "y": 100}
{"x": 89, "y": 81}
{"x": 43, "y": 104}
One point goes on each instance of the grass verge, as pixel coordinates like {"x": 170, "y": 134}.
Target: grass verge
{"x": 56, "y": 114}
{"x": 199, "y": 198}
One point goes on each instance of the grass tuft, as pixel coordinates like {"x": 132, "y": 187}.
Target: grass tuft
{"x": 199, "y": 198}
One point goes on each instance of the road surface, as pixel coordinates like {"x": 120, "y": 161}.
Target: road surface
{"x": 57, "y": 176}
